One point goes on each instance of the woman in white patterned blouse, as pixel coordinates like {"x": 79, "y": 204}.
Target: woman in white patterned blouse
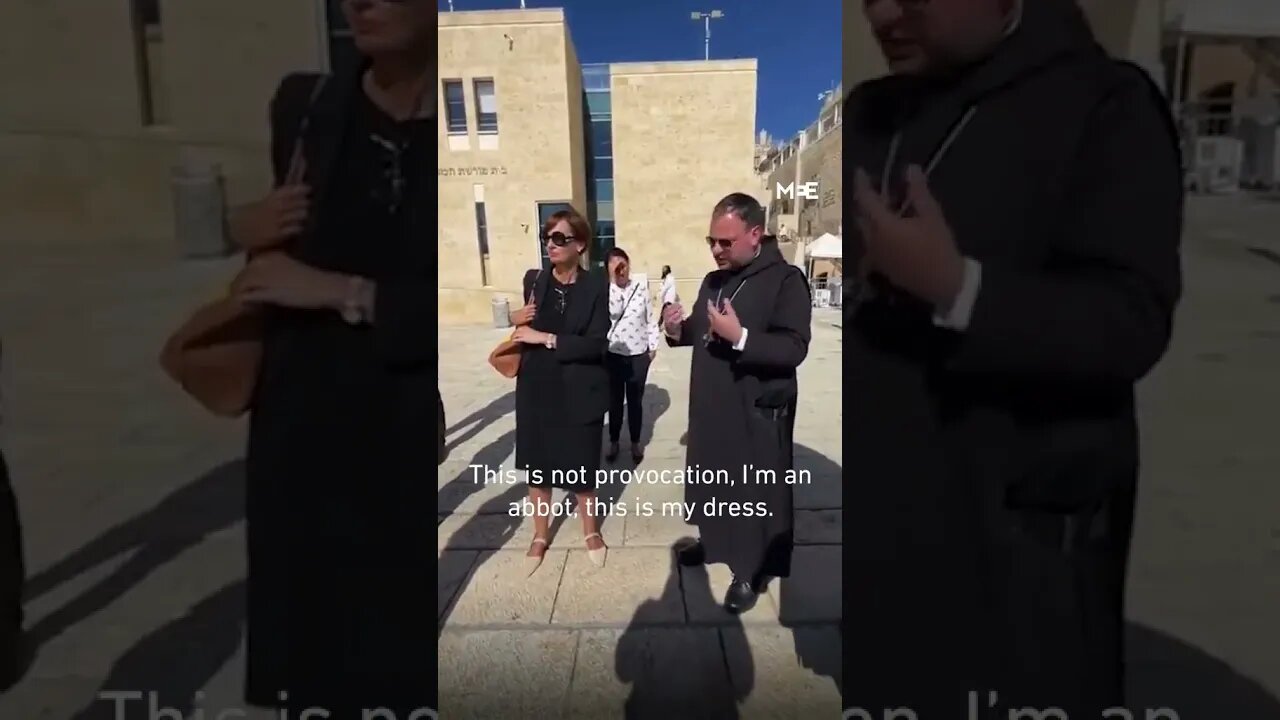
{"x": 633, "y": 342}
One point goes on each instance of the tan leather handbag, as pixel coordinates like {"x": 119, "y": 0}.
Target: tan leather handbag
{"x": 505, "y": 358}
{"x": 216, "y": 354}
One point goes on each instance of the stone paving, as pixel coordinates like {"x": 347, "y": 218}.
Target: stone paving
{"x": 132, "y": 507}
{"x": 577, "y": 641}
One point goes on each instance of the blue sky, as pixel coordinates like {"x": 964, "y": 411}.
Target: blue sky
{"x": 797, "y": 43}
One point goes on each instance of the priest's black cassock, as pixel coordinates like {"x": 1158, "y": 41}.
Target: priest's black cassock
{"x": 742, "y": 412}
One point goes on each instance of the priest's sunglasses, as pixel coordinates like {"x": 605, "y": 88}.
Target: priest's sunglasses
{"x": 558, "y": 239}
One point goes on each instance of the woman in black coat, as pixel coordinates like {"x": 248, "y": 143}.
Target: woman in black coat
{"x": 562, "y": 391}
{"x": 339, "y": 535}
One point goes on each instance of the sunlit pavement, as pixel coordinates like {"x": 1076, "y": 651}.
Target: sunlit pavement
{"x": 638, "y": 635}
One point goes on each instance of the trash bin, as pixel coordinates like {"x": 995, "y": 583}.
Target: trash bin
{"x": 199, "y": 211}
{"x": 501, "y": 312}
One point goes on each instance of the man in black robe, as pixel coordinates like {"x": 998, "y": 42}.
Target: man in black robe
{"x": 750, "y": 330}
{"x": 1018, "y": 204}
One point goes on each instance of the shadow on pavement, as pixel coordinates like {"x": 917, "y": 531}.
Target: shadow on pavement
{"x": 481, "y": 419}
{"x": 1164, "y": 672}
{"x": 688, "y": 676}
{"x": 176, "y": 661}
{"x": 465, "y": 484}
{"x": 179, "y": 522}
{"x": 659, "y": 692}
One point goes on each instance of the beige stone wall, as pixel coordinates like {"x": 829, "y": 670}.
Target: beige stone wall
{"x": 79, "y": 165}
{"x": 539, "y": 153}
{"x": 783, "y": 212}
{"x": 683, "y": 138}
{"x": 820, "y": 162}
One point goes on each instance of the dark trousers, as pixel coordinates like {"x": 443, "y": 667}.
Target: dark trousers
{"x": 627, "y": 376}
{"x": 12, "y": 567}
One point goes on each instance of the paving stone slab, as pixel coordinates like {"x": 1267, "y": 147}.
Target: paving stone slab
{"x": 487, "y": 674}
{"x": 814, "y": 592}
{"x": 636, "y": 586}
{"x": 642, "y": 672}
{"x": 499, "y": 591}
{"x": 786, "y": 673}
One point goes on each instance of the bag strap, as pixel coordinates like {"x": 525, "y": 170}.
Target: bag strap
{"x": 533, "y": 286}
{"x": 626, "y": 303}
{"x": 297, "y": 159}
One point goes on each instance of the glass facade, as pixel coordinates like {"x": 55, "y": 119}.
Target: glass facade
{"x": 599, "y": 137}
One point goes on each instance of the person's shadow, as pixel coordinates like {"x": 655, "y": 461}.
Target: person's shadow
{"x": 815, "y": 586}
{"x": 681, "y": 674}
{"x": 175, "y": 662}
{"x": 467, "y": 483}
{"x": 212, "y": 503}
{"x": 470, "y": 426}
{"x": 1164, "y": 673}
{"x": 815, "y": 589}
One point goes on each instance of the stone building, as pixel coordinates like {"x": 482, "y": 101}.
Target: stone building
{"x": 813, "y": 157}
{"x": 104, "y": 99}
{"x": 643, "y": 149}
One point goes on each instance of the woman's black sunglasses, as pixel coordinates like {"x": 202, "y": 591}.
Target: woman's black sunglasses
{"x": 558, "y": 239}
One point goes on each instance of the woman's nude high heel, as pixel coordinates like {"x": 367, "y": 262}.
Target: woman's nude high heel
{"x": 533, "y": 562}
{"x": 597, "y": 556}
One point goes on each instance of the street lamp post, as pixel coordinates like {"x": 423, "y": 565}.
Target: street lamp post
{"x": 706, "y": 18}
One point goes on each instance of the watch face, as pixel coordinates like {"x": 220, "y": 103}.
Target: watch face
{"x": 351, "y": 315}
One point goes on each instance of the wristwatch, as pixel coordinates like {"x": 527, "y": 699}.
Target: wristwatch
{"x": 352, "y": 308}
{"x": 551, "y": 342}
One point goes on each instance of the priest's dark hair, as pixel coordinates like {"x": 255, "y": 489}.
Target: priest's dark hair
{"x": 617, "y": 252}
{"x": 742, "y": 206}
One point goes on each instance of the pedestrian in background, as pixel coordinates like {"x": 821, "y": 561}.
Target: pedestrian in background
{"x": 668, "y": 293}
{"x": 633, "y": 343}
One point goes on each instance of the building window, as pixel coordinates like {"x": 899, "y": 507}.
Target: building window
{"x": 486, "y": 107}
{"x": 148, "y": 40}
{"x": 599, "y": 103}
{"x": 455, "y": 107}
{"x": 482, "y": 234}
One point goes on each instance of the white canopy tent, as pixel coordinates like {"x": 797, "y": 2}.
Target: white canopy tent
{"x": 827, "y": 246}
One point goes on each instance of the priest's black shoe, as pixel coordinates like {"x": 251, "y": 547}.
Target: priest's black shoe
{"x": 740, "y": 598}
{"x": 692, "y": 555}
